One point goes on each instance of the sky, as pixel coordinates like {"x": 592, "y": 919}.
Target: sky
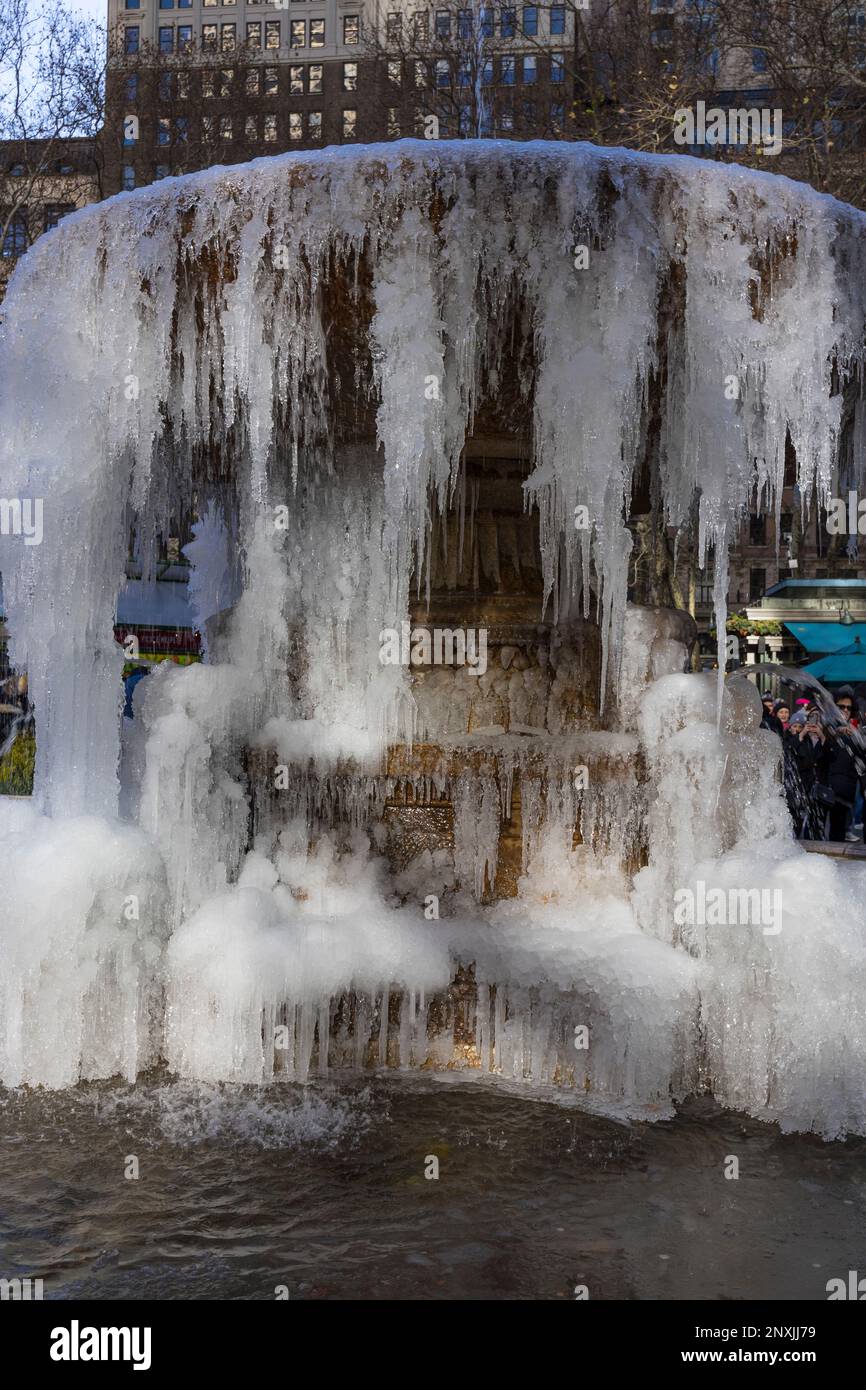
{"x": 93, "y": 9}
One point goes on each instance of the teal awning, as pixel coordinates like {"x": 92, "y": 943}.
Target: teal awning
{"x": 827, "y": 637}
{"x": 847, "y": 666}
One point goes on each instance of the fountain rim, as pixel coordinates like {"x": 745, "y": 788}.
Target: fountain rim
{"x": 457, "y": 156}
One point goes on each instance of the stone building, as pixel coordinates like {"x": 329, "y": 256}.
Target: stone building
{"x": 39, "y": 184}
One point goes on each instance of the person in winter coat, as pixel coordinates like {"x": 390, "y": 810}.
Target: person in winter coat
{"x": 802, "y": 745}
{"x": 838, "y": 768}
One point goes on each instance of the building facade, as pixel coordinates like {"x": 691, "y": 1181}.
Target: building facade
{"x": 40, "y": 183}
{"x": 193, "y": 83}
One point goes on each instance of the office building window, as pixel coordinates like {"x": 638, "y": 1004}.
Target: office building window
{"x": 183, "y": 85}
{"x": 317, "y": 33}
{"x": 508, "y": 24}
{"x": 270, "y": 128}
{"x": 225, "y": 127}
{"x": 316, "y": 71}
{"x": 207, "y": 129}
{"x": 209, "y": 37}
{"x": 530, "y": 20}
{"x": 464, "y": 24}
{"x": 314, "y": 127}
{"x": 132, "y": 88}
{"x": 55, "y": 212}
{"x": 181, "y": 129}
{"x": 130, "y": 36}
{"x": 443, "y": 75}
{"x": 166, "y": 38}
{"x": 487, "y": 72}
{"x": 351, "y": 28}
{"x": 163, "y": 131}
{"x": 557, "y": 67}
{"x": 161, "y": 171}
{"x": 557, "y": 19}
{"x": 394, "y": 26}
{"x": 530, "y": 68}
{"x": 207, "y": 82}
{"x": 393, "y": 123}
{"x": 299, "y": 33}
{"x": 420, "y": 73}
{"x": 296, "y": 127}
{"x": 272, "y": 33}
{"x": 508, "y": 71}
{"x": 254, "y": 34}
{"x": 443, "y": 24}
{"x": 296, "y": 79}
{"x": 164, "y": 86}
{"x": 184, "y": 38}
{"x": 395, "y": 72}
{"x": 420, "y": 26}
{"x": 253, "y": 82}
{"x": 486, "y": 22}
{"x": 128, "y": 178}
{"x": 350, "y": 77}
{"x": 272, "y": 82}
{"x": 350, "y": 123}
{"x": 133, "y": 5}
{"x": 229, "y": 37}
{"x": 557, "y": 117}
{"x": 251, "y": 127}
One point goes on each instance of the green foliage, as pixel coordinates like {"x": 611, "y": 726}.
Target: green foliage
{"x": 745, "y": 627}
{"x": 16, "y": 769}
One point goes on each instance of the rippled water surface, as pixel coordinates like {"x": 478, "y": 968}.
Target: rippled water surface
{"x": 323, "y": 1191}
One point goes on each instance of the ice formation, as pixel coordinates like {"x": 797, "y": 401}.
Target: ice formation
{"x": 298, "y": 349}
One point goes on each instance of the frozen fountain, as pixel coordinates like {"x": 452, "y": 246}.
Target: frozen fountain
{"x": 404, "y": 391}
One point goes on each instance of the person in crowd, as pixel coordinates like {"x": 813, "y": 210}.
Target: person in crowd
{"x": 837, "y": 768}
{"x": 802, "y": 745}
{"x": 859, "y": 720}
{"x": 768, "y": 718}
{"x": 782, "y": 712}
{"x": 849, "y": 700}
